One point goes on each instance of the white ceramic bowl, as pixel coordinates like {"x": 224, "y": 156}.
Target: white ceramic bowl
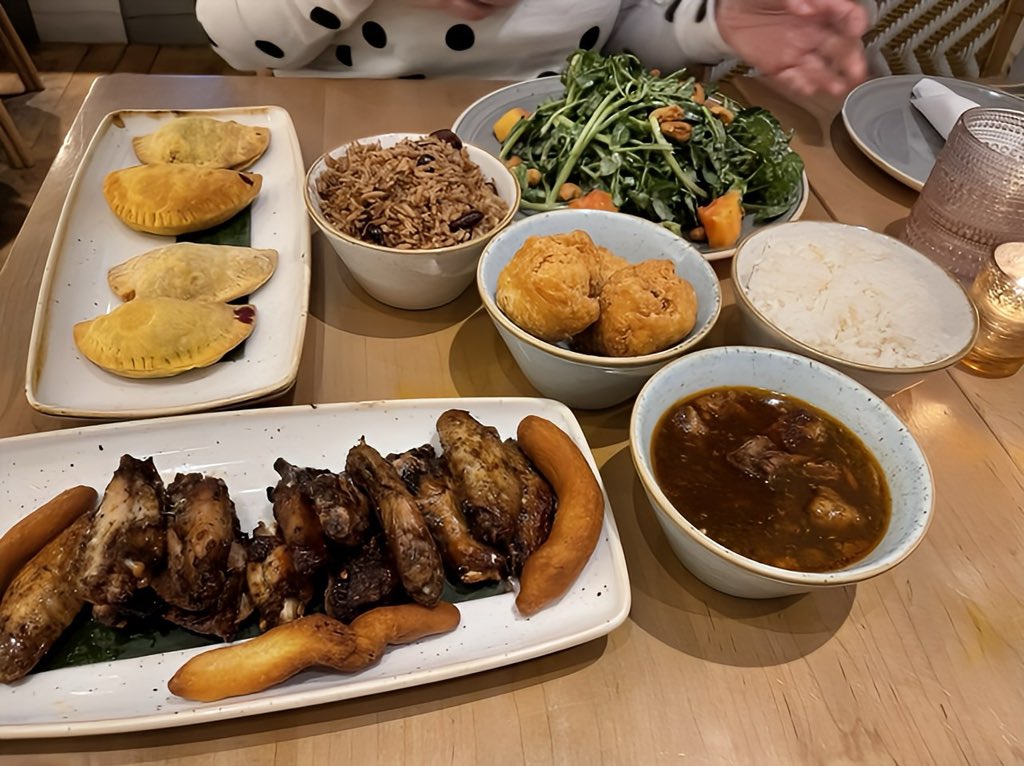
{"x": 583, "y": 380}
{"x": 952, "y": 312}
{"x": 903, "y": 463}
{"x": 412, "y": 279}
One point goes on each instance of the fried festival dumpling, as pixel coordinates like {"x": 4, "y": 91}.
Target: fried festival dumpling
{"x": 550, "y": 286}
{"x": 161, "y": 337}
{"x": 193, "y": 271}
{"x": 198, "y": 140}
{"x": 645, "y": 307}
{"x": 178, "y": 199}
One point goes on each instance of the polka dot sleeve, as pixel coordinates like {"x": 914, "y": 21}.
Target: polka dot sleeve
{"x": 275, "y": 34}
{"x": 670, "y": 34}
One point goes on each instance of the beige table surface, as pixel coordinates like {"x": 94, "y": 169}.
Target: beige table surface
{"x": 922, "y": 665}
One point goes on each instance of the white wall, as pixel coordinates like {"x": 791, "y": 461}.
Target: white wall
{"x": 78, "y": 21}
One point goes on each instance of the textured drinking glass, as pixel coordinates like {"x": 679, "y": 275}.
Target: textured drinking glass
{"x": 998, "y": 294}
{"x": 974, "y": 198}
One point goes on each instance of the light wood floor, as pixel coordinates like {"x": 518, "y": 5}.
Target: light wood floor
{"x": 43, "y": 118}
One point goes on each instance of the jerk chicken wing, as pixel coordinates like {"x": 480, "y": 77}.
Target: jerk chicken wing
{"x": 368, "y": 579}
{"x": 537, "y": 508}
{"x": 409, "y": 540}
{"x": 125, "y": 543}
{"x": 201, "y": 528}
{"x": 203, "y": 581}
{"x": 297, "y": 520}
{"x": 42, "y": 600}
{"x": 427, "y": 477}
{"x": 278, "y": 591}
{"x": 343, "y": 510}
{"x": 489, "y": 487}
{"x": 507, "y": 503}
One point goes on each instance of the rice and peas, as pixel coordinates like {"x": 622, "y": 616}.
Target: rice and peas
{"x": 419, "y": 194}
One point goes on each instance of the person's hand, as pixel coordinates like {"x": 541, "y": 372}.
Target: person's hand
{"x": 805, "y": 45}
{"x": 471, "y": 10}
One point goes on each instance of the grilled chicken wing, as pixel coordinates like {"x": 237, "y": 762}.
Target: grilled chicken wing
{"x": 276, "y": 588}
{"x": 488, "y": 483}
{"x": 507, "y": 503}
{"x": 427, "y": 477}
{"x": 40, "y": 603}
{"x": 126, "y": 540}
{"x": 536, "y": 511}
{"x": 368, "y": 579}
{"x": 228, "y": 610}
{"x": 297, "y": 520}
{"x": 409, "y": 540}
{"x": 201, "y": 528}
{"x": 343, "y": 510}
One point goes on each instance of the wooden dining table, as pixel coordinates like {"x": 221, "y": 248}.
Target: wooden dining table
{"x": 924, "y": 664}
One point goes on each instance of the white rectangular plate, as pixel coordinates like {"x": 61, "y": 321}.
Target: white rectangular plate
{"x": 90, "y": 239}
{"x": 240, "y": 447}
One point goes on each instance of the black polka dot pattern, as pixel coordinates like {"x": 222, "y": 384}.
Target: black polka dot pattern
{"x": 702, "y": 11}
{"x": 344, "y": 54}
{"x": 270, "y": 49}
{"x": 590, "y": 38}
{"x": 324, "y": 18}
{"x": 670, "y": 12}
{"x": 374, "y": 34}
{"x": 547, "y": 73}
{"x": 460, "y": 37}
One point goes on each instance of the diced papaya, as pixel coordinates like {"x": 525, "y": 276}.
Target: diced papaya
{"x": 596, "y": 199}
{"x": 508, "y": 121}
{"x": 722, "y": 219}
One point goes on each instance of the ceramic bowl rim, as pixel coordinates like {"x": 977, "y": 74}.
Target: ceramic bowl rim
{"x": 475, "y": 153}
{"x": 856, "y": 572}
{"x": 741, "y": 297}
{"x": 591, "y": 360}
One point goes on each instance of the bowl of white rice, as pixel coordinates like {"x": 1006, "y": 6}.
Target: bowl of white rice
{"x": 862, "y": 302}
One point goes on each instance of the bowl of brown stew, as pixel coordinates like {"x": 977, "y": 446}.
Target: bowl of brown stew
{"x": 773, "y": 474}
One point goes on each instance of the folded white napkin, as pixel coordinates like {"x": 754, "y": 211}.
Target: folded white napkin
{"x": 940, "y": 106}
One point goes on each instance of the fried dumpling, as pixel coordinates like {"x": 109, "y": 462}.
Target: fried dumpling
{"x": 193, "y": 271}
{"x": 160, "y": 337}
{"x": 177, "y": 199}
{"x": 203, "y": 141}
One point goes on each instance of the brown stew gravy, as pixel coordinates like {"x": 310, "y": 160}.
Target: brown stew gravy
{"x": 771, "y": 478}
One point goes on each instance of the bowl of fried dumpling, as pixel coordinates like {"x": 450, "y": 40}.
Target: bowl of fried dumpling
{"x": 592, "y": 303}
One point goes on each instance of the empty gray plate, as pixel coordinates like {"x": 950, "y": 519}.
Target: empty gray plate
{"x": 474, "y": 126}
{"x": 894, "y": 135}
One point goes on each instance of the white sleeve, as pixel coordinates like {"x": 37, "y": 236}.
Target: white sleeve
{"x": 274, "y": 34}
{"x": 669, "y": 34}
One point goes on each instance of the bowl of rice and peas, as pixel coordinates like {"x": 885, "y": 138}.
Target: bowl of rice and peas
{"x": 409, "y": 214}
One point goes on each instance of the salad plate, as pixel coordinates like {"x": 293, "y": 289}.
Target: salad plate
{"x": 90, "y": 240}
{"x": 240, "y": 447}
{"x": 476, "y": 126}
{"x": 894, "y": 135}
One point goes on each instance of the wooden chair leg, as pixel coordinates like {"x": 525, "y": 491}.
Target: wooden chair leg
{"x": 16, "y": 52}
{"x": 17, "y": 152}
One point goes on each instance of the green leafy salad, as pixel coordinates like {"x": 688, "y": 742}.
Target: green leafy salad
{"x": 663, "y": 148}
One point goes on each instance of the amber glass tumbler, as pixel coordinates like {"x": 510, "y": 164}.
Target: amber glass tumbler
{"x": 974, "y": 198}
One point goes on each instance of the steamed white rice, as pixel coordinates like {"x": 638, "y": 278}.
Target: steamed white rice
{"x": 862, "y": 302}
